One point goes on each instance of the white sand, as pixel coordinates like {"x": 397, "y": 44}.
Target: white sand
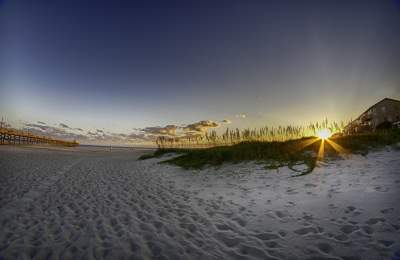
{"x": 57, "y": 204}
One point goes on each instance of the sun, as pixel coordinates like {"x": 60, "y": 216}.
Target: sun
{"x": 324, "y": 133}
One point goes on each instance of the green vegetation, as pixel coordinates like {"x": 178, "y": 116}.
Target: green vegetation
{"x": 362, "y": 143}
{"x": 146, "y": 156}
{"x": 161, "y": 152}
{"x": 276, "y": 154}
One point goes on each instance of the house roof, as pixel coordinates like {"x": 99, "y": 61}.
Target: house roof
{"x": 390, "y": 99}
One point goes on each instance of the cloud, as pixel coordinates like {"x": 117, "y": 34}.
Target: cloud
{"x": 54, "y": 132}
{"x": 142, "y": 135}
{"x": 118, "y": 138}
{"x": 226, "y": 121}
{"x": 157, "y": 130}
{"x": 91, "y": 133}
{"x": 34, "y": 126}
{"x": 41, "y": 122}
{"x": 97, "y": 136}
{"x": 201, "y": 126}
{"x": 240, "y": 116}
{"x": 185, "y": 130}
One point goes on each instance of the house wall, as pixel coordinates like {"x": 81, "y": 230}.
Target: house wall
{"x": 385, "y": 110}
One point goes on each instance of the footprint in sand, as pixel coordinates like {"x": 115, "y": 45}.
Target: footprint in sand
{"x": 348, "y": 229}
{"x": 271, "y": 244}
{"x": 305, "y": 231}
{"x": 350, "y": 209}
{"x": 253, "y": 252}
{"x": 266, "y": 236}
{"x": 381, "y": 189}
{"x": 310, "y": 185}
{"x": 307, "y": 216}
{"x": 386, "y": 243}
{"x": 367, "y": 230}
{"x": 158, "y": 224}
{"x": 332, "y": 206}
{"x": 291, "y": 191}
{"x": 396, "y": 227}
{"x": 189, "y": 226}
{"x": 240, "y": 221}
{"x": 373, "y": 221}
{"x": 282, "y": 233}
{"x": 280, "y": 214}
{"x": 386, "y": 211}
{"x": 228, "y": 239}
{"x": 222, "y": 227}
{"x": 341, "y": 237}
{"x": 290, "y": 204}
{"x": 324, "y": 247}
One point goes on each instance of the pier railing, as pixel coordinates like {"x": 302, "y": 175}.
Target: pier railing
{"x": 14, "y": 137}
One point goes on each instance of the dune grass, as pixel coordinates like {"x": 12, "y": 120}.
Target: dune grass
{"x": 200, "y": 139}
{"x": 277, "y": 154}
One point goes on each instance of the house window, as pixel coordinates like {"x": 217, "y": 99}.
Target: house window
{"x": 383, "y": 109}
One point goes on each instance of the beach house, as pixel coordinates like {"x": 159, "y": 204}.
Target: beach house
{"x": 385, "y": 113}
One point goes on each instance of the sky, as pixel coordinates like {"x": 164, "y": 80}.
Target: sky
{"x": 141, "y": 68}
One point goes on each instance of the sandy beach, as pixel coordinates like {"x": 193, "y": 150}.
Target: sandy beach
{"x": 82, "y": 203}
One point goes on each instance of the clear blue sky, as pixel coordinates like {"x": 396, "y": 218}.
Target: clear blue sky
{"x": 119, "y": 65}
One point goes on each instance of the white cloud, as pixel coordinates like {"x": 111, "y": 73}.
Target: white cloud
{"x": 240, "y": 116}
{"x": 201, "y": 126}
{"x": 157, "y": 130}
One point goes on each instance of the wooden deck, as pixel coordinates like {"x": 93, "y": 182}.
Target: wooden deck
{"x": 14, "y": 137}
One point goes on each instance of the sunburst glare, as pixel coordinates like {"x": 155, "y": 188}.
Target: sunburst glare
{"x": 324, "y": 133}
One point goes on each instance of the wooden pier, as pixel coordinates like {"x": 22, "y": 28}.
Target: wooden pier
{"x": 15, "y": 137}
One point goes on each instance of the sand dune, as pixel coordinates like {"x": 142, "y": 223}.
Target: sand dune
{"x": 59, "y": 204}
